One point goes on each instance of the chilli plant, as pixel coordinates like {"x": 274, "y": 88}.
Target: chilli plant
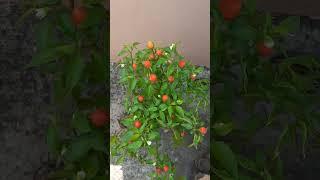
{"x": 72, "y": 48}
{"x": 250, "y": 65}
{"x": 159, "y": 85}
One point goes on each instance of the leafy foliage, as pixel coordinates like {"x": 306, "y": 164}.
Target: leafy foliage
{"x": 76, "y": 56}
{"x": 245, "y": 71}
{"x": 162, "y": 105}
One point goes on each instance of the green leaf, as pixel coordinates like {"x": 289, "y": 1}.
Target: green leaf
{"x": 123, "y": 51}
{"x": 164, "y": 88}
{"x": 74, "y": 71}
{"x": 304, "y": 136}
{"x": 247, "y": 164}
{"x": 133, "y": 147}
{"x": 162, "y": 124}
{"x": 152, "y": 109}
{"x": 250, "y": 6}
{"x": 179, "y": 101}
{"x": 225, "y": 158}
{"x": 161, "y": 61}
{"x": 65, "y": 24}
{"x": 97, "y": 15}
{"x": 98, "y": 141}
{"x": 289, "y": 25}
{"x": 162, "y": 116}
{"x": 127, "y": 122}
{"x": 222, "y": 129}
{"x": 154, "y": 135}
{"x": 80, "y": 123}
{"x": 97, "y": 68}
{"x": 78, "y": 148}
{"x": 53, "y": 139}
{"x": 135, "y": 44}
{"x": 170, "y": 70}
{"x": 180, "y": 111}
{"x": 51, "y": 54}
{"x": 242, "y": 31}
{"x": 281, "y": 140}
{"x": 44, "y": 35}
{"x": 134, "y": 108}
{"x": 91, "y": 165}
{"x": 223, "y": 174}
{"x": 127, "y": 136}
{"x": 150, "y": 90}
{"x": 187, "y": 126}
{"x": 154, "y": 115}
{"x": 170, "y": 110}
{"x": 133, "y": 84}
{"x": 163, "y": 107}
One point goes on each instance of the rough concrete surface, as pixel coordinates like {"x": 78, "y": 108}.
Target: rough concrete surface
{"x": 25, "y": 97}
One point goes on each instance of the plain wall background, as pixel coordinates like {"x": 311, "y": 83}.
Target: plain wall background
{"x": 164, "y": 22}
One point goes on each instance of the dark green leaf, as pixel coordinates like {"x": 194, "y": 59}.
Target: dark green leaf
{"x": 78, "y": 148}
{"x": 48, "y": 55}
{"x": 180, "y": 111}
{"x": 222, "y": 129}
{"x": 80, "y": 123}
{"x": 163, "y": 107}
{"x": 152, "y": 109}
{"x": 289, "y": 25}
{"x": 133, "y": 147}
{"x": 133, "y": 84}
{"x": 74, "y": 71}
{"x": 224, "y": 156}
{"x": 162, "y": 116}
{"x": 187, "y": 126}
{"x": 53, "y": 139}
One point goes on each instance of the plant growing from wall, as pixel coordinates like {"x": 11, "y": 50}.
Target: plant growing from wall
{"x": 159, "y": 84}
{"x": 245, "y": 69}
{"x": 72, "y": 48}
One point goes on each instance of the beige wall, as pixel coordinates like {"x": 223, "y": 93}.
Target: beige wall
{"x": 164, "y": 22}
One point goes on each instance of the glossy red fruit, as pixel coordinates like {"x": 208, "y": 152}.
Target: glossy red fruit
{"x": 137, "y": 124}
{"x": 203, "y": 130}
{"x": 79, "y": 15}
{"x": 158, "y": 171}
{"x": 147, "y": 64}
{"x": 134, "y": 66}
{"x": 263, "y": 50}
{"x": 170, "y": 79}
{"x": 182, "y": 63}
{"x": 165, "y": 168}
{"x": 165, "y": 98}
{"x": 140, "y": 98}
{"x": 153, "y": 78}
{"x": 159, "y": 52}
{"x": 230, "y": 9}
{"x": 99, "y": 118}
